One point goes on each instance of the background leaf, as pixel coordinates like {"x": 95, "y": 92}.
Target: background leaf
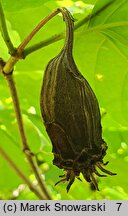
{"x": 20, "y": 5}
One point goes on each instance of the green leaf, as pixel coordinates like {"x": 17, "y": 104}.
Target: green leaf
{"x": 87, "y": 1}
{"x": 15, "y": 5}
{"x": 105, "y": 57}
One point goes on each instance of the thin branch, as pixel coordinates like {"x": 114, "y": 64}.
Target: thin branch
{"x": 21, "y": 175}
{"x": 4, "y": 32}
{"x": 35, "y": 30}
{"x": 26, "y": 148}
{"x": 43, "y": 43}
{"x": 22, "y": 52}
{"x": 61, "y": 35}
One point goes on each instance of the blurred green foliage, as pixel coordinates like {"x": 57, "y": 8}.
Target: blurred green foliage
{"x": 101, "y": 53}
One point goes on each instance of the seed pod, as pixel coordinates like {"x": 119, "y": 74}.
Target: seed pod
{"x": 71, "y": 115}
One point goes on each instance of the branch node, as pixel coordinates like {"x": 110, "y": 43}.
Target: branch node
{"x": 7, "y": 74}
{"x": 2, "y": 65}
{"x": 28, "y": 152}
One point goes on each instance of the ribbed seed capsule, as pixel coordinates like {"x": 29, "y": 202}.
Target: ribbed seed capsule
{"x": 71, "y": 115}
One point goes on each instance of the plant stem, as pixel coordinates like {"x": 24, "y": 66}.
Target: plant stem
{"x": 35, "y": 30}
{"x": 61, "y": 35}
{"x": 43, "y": 43}
{"x": 25, "y": 145}
{"x": 21, "y": 175}
{"x": 22, "y": 51}
{"x": 4, "y": 32}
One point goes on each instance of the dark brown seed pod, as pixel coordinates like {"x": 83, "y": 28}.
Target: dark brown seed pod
{"x": 71, "y": 115}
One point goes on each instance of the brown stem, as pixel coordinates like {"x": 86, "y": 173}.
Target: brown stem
{"x": 68, "y": 44}
{"x": 66, "y": 15}
{"x": 60, "y": 36}
{"x": 35, "y": 30}
{"x": 21, "y": 175}
{"x": 19, "y": 53}
{"x": 26, "y": 148}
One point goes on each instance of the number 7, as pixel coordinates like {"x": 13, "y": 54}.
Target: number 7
{"x": 119, "y": 205}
